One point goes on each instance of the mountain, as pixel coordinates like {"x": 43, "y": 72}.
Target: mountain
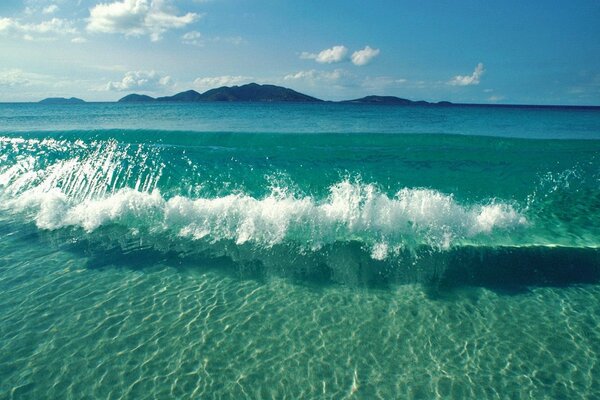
{"x": 251, "y": 92}
{"x": 61, "y": 100}
{"x": 256, "y": 92}
{"x": 136, "y": 98}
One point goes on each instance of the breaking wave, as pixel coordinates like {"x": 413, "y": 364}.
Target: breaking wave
{"x": 352, "y": 212}
{"x": 155, "y": 197}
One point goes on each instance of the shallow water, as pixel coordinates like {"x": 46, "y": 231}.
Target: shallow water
{"x": 74, "y": 326}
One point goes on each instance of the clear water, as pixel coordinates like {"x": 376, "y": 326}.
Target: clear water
{"x": 299, "y": 251}
{"x": 526, "y": 122}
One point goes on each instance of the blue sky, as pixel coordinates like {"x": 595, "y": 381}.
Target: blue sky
{"x": 463, "y": 51}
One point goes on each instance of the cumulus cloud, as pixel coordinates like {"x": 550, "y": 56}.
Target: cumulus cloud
{"x": 137, "y": 18}
{"x": 335, "y": 54}
{"x": 43, "y": 30}
{"x": 466, "y": 80}
{"x": 144, "y": 81}
{"x": 218, "y": 81}
{"x": 364, "y": 56}
{"x": 339, "y": 53}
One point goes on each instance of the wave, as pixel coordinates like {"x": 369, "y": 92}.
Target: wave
{"x": 352, "y": 212}
{"x": 157, "y": 194}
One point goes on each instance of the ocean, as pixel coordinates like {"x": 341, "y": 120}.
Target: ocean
{"x": 318, "y": 251}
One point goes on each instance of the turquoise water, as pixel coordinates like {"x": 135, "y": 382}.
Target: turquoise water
{"x": 299, "y": 251}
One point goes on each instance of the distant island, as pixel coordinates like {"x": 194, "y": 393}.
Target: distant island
{"x": 251, "y": 92}
{"x": 61, "y": 100}
{"x": 392, "y": 101}
{"x": 254, "y": 92}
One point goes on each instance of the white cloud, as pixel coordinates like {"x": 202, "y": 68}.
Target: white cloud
{"x": 145, "y": 81}
{"x": 339, "y": 53}
{"x": 51, "y": 9}
{"x": 44, "y": 30}
{"x": 218, "y": 81}
{"x": 17, "y": 77}
{"x": 79, "y": 40}
{"x": 13, "y": 77}
{"x": 335, "y": 54}
{"x": 314, "y": 77}
{"x": 137, "y": 18}
{"x": 364, "y": 56}
{"x": 466, "y": 80}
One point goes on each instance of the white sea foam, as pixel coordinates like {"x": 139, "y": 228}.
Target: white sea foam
{"x": 352, "y": 211}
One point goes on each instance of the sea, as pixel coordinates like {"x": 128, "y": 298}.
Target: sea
{"x": 299, "y": 251}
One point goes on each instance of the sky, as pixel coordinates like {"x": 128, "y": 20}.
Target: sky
{"x": 475, "y": 51}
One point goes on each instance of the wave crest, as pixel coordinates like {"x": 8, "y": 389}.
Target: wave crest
{"x": 352, "y": 212}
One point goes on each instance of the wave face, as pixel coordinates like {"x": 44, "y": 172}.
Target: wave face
{"x": 393, "y": 204}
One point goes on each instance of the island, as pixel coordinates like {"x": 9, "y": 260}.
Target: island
{"x": 61, "y": 100}
{"x": 251, "y": 92}
{"x": 389, "y": 100}
{"x": 393, "y": 101}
